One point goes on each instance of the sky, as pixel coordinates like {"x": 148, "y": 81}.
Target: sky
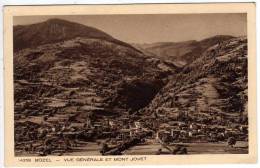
{"x": 152, "y": 28}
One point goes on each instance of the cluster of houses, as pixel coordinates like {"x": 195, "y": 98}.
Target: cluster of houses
{"x": 31, "y": 135}
{"x": 65, "y": 129}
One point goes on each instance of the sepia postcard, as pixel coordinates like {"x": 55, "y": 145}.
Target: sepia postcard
{"x": 142, "y": 84}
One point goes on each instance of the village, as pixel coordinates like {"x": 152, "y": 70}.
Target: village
{"x": 57, "y": 131}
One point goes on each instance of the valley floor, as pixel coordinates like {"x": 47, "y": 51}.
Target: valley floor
{"x": 193, "y": 148}
{"x": 93, "y": 149}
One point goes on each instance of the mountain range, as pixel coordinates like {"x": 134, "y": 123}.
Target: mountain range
{"x": 62, "y": 60}
{"x": 181, "y": 53}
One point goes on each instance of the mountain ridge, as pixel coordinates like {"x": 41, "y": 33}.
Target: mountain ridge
{"x": 183, "y": 52}
{"x": 56, "y": 30}
{"x": 214, "y": 84}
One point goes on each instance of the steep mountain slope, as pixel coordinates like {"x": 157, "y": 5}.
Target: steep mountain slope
{"x": 214, "y": 84}
{"x": 55, "y": 30}
{"x": 180, "y": 52}
{"x": 82, "y": 64}
{"x": 84, "y": 72}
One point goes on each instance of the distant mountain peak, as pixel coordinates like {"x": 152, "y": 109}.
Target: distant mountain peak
{"x": 56, "y": 20}
{"x": 67, "y": 23}
{"x": 56, "y": 30}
